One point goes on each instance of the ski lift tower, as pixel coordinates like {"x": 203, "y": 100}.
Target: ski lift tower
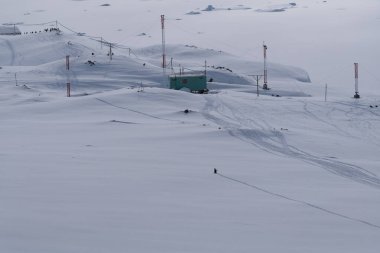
{"x": 356, "y": 80}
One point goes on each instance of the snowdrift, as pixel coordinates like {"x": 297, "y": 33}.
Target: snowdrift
{"x": 37, "y": 61}
{"x": 127, "y": 165}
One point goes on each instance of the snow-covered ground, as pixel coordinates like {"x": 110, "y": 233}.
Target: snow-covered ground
{"x": 120, "y": 167}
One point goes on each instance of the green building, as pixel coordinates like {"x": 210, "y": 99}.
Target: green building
{"x": 195, "y": 82}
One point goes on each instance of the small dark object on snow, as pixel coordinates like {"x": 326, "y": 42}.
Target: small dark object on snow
{"x": 215, "y": 171}
{"x": 205, "y": 91}
{"x": 92, "y": 54}
{"x": 91, "y": 63}
{"x": 371, "y": 106}
{"x": 186, "y": 111}
{"x": 211, "y": 80}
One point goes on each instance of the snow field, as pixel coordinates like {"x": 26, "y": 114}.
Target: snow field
{"x": 119, "y": 166}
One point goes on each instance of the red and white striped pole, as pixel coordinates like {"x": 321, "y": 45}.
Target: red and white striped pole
{"x": 163, "y": 41}
{"x": 356, "y": 80}
{"x": 265, "y": 86}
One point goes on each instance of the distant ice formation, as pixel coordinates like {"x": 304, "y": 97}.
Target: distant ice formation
{"x": 209, "y": 8}
{"x": 278, "y": 8}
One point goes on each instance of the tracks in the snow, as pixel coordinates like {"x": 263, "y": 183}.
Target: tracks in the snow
{"x": 308, "y": 204}
{"x": 259, "y": 133}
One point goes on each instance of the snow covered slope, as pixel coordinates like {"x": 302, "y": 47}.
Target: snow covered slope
{"x": 130, "y": 171}
{"x": 38, "y": 61}
{"x": 323, "y": 37}
{"x": 126, "y": 165}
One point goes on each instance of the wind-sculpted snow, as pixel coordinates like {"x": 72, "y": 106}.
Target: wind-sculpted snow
{"x": 258, "y": 132}
{"x": 138, "y": 162}
{"x": 127, "y": 165}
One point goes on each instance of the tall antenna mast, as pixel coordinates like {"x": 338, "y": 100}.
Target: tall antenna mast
{"x": 163, "y": 41}
{"x": 265, "y": 86}
{"x": 356, "y": 80}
